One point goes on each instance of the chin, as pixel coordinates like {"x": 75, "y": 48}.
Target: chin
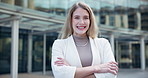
{"x": 81, "y": 33}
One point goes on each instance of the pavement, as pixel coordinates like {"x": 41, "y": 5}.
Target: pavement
{"x": 132, "y": 73}
{"x": 123, "y": 73}
{"x": 30, "y": 75}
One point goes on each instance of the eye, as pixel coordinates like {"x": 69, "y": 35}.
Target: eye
{"x": 86, "y": 17}
{"x": 76, "y": 17}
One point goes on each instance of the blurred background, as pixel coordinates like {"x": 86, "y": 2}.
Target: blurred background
{"x": 29, "y": 27}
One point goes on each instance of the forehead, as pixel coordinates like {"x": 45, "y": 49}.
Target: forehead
{"x": 80, "y": 11}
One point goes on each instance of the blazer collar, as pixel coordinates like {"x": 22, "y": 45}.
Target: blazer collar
{"x": 72, "y": 51}
{"x": 76, "y": 54}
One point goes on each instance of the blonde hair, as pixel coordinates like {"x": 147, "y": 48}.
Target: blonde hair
{"x": 67, "y": 29}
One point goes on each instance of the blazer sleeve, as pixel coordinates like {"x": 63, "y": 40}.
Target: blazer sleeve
{"x": 106, "y": 56}
{"x": 60, "y": 71}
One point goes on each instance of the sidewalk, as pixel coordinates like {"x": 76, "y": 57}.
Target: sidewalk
{"x": 132, "y": 73}
{"x": 30, "y": 75}
{"x": 123, "y": 73}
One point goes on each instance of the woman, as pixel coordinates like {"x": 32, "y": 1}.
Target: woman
{"x": 79, "y": 53}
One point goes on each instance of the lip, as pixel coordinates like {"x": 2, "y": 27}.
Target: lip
{"x": 81, "y": 27}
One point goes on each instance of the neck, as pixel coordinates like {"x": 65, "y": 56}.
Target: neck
{"x": 80, "y": 41}
{"x": 77, "y": 35}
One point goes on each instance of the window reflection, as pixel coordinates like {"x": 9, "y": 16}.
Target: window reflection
{"x": 5, "y": 51}
{"x": 146, "y": 53}
{"x": 130, "y": 14}
{"x": 128, "y": 54}
{"x": 37, "y": 53}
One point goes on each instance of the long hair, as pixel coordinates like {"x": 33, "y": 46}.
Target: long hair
{"x": 67, "y": 29}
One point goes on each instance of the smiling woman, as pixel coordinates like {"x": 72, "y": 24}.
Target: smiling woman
{"x": 80, "y": 22}
{"x": 79, "y": 53}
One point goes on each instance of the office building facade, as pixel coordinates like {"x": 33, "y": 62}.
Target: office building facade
{"x": 29, "y": 27}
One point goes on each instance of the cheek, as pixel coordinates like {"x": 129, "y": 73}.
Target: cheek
{"x": 88, "y": 22}
{"x": 74, "y": 22}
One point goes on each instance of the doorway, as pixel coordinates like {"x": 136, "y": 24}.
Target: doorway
{"x": 128, "y": 54}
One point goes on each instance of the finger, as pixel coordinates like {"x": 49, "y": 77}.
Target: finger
{"x": 113, "y": 63}
{"x": 113, "y": 72}
{"x": 59, "y": 58}
{"x": 115, "y": 68}
{"x": 59, "y": 63}
{"x": 65, "y": 62}
{"x": 56, "y": 62}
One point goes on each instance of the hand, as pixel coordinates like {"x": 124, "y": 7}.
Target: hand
{"x": 110, "y": 67}
{"x": 61, "y": 62}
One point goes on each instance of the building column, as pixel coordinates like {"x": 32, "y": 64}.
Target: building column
{"x": 31, "y": 4}
{"x": 117, "y": 51}
{"x": 125, "y": 21}
{"x": 112, "y": 42}
{"x": 146, "y": 54}
{"x": 9, "y": 1}
{"x": 142, "y": 51}
{"x": 106, "y": 19}
{"x": 25, "y": 3}
{"x": 97, "y": 19}
{"x": 117, "y": 21}
{"x": 44, "y": 55}
{"x": 138, "y": 21}
{"x": 14, "y": 47}
{"x": 29, "y": 66}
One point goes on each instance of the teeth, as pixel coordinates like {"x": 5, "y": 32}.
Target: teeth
{"x": 81, "y": 27}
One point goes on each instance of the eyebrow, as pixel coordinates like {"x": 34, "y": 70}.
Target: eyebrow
{"x": 79, "y": 15}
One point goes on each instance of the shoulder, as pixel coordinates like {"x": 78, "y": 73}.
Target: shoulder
{"x": 101, "y": 40}
{"x": 60, "y": 42}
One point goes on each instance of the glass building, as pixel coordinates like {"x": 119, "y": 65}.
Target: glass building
{"x": 29, "y": 27}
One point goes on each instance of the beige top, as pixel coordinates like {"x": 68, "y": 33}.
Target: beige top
{"x": 84, "y": 50}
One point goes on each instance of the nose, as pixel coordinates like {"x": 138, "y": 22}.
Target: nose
{"x": 81, "y": 21}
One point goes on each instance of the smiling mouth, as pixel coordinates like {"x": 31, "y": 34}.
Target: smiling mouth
{"x": 81, "y": 27}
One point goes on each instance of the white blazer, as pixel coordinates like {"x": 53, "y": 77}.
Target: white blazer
{"x": 66, "y": 49}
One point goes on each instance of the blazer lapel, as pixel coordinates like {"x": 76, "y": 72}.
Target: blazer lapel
{"x": 72, "y": 55}
{"x": 95, "y": 52}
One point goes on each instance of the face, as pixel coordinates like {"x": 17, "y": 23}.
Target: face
{"x": 80, "y": 22}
